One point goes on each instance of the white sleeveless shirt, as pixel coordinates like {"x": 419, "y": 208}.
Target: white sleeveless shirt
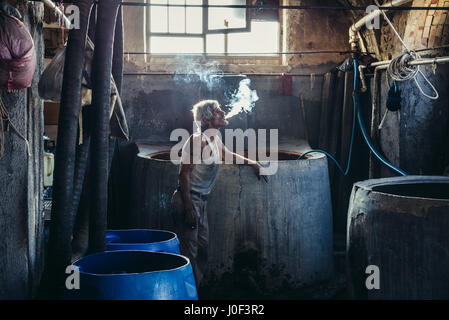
{"x": 203, "y": 174}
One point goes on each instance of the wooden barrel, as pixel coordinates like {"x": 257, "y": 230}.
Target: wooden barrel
{"x": 398, "y": 239}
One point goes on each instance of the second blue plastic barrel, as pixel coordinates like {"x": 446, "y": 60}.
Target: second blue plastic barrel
{"x": 135, "y": 275}
{"x": 142, "y": 239}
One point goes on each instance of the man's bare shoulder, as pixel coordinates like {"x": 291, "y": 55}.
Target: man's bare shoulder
{"x": 197, "y": 138}
{"x": 218, "y": 139}
{"x": 189, "y": 153}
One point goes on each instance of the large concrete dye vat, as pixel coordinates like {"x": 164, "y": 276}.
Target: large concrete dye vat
{"x": 283, "y": 227}
{"x": 400, "y": 225}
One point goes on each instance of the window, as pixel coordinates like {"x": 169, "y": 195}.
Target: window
{"x": 176, "y": 28}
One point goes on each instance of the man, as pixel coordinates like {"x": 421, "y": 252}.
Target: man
{"x": 201, "y": 155}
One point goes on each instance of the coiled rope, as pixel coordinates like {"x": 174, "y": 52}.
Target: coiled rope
{"x": 400, "y": 69}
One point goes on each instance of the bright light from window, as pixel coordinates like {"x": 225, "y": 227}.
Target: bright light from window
{"x": 215, "y": 44}
{"x": 178, "y": 30}
{"x": 194, "y": 17}
{"x": 176, "y": 17}
{"x": 176, "y": 45}
{"x": 234, "y": 17}
{"x": 264, "y": 38}
{"x": 158, "y": 17}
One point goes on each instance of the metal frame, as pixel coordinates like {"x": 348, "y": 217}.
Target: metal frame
{"x": 284, "y": 7}
{"x": 205, "y": 30}
{"x": 225, "y": 31}
{"x": 205, "y": 15}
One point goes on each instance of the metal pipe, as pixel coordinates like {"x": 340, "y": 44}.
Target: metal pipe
{"x": 272, "y": 7}
{"x": 244, "y": 53}
{"x": 374, "y": 122}
{"x": 58, "y": 11}
{"x": 353, "y": 38}
{"x": 262, "y": 7}
{"x": 417, "y": 62}
{"x": 362, "y": 78}
{"x": 222, "y": 75}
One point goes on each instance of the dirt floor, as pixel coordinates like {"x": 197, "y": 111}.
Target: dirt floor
{"x": 249, "y": 288}
{"x": 248, "y": 280}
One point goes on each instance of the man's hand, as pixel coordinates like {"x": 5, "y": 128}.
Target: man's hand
{"x": 257, "y": 168}
{"x": 190, "y": 216}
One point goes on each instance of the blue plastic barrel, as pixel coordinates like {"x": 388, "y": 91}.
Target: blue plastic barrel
{"x": 135, "y": 275}
{"x": 142, "y": 239}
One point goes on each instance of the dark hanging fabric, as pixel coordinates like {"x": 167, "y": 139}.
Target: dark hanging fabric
{"x": 394, "y": 97}
{"x": 8, "y": 9}
{"x": 92, "y": 24}
{"x": 116, "y": 191}
{"x": 101, "y": 92}
{"x": 17, "y": 54}
{"x": 80, "y": 189}
{"x": 117, "y": 60}
{"x": 286, "y": 86}
{"x": 335, "y": 136}
{"x": 118, "y": 123}
{"x": 62, "y": 218}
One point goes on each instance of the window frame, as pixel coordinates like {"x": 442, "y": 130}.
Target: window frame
{"x": 221, "y": 57}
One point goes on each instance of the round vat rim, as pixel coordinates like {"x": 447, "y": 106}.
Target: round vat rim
{"x": 368, "y": 185}
{"x": 175, "y": 236}
{"x": 134, "y": 274}
{"x": 146, "y": 156}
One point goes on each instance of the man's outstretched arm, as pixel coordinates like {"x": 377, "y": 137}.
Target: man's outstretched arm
{"x": 225, "y": 152}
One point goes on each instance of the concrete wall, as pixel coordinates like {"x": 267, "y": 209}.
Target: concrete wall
{"x": 21, "y": 217}
{"x": 155, "y": 104}
{"x": 315, "y": 30}
{"x": 416, "y": 137}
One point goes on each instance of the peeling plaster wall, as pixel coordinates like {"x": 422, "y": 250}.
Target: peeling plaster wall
{"x": 314, "y": 30}
{"x": 21, "y": 216}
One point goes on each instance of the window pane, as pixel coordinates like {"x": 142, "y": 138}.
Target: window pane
{"x": 264, "y": 38}
{"x": 215, "y": 43}
{"x": 194, "y": 20}
{"x": 174, "y": 45}
{"x": 158, "y": 18}
{"x": 176, "y": 17}
{"x": 200, "y": 2}
{"x": 227, "y": 18}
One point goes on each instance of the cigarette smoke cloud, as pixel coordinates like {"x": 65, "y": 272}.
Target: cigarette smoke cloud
{"x": 240, "y": 100}
{"x": 208, "y": 73}
{"x": 243, "y": 100}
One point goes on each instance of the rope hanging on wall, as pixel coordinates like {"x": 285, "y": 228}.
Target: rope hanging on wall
{"x": 400, "y": 69}
{"x": 4, "y": 116}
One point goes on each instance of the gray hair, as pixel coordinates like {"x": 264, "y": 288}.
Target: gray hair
{"x": 203, "y": 110}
